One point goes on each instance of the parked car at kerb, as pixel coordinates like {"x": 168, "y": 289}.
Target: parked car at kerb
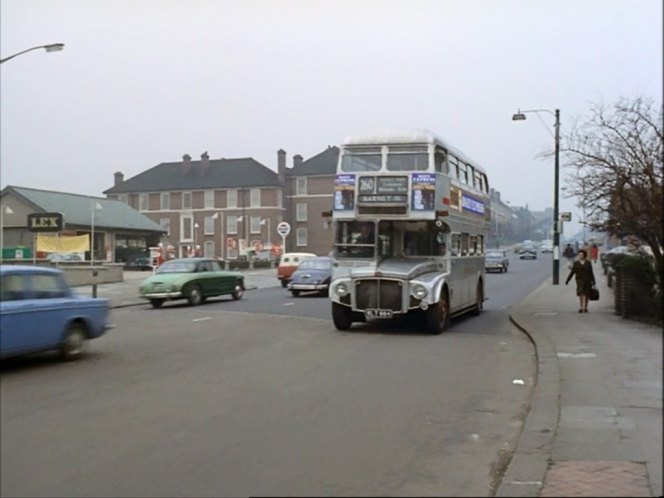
{"x": 496, "y": 261}
{"x": 607, "y": 258}
{"x": 312, "y": 275}
{"x": 193, "y": 279}
{"x": 57, "y": 257}
{"x": 141, "y": 263}
{"x": 528, "y": 251}
{"x": 40, "y": 312}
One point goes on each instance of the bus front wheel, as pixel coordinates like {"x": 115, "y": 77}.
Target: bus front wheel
{"x": 341, "y": 316}
{"x": 436, "y": 317}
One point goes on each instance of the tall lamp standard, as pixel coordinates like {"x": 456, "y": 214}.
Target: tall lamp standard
{"x": 53, "y": 47}
{"x": 521, "y": 116}
{"x": 95, "y": 207}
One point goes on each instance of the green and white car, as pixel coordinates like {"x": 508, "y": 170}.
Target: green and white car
{"x": 193, "y": 279}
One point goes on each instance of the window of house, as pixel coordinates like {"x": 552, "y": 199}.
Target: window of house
{"x": 255, "y": 224}
{"x": 231, "y": 224}
{"x": 208, "y": 249}
{"x": 231, "y": 198}
{"x": 165, "y": 200}
{"x": 208, "y": 225}
{"x": 143, "y": 202}
{"x": 208, "y": 199}
{"x": 255, "y": 197}
{"x": 301, "y": 185}
{"x": 187, "y": 228}
{"x": 166, "y": 225}
{"x": 122, "y": 198}
{"x": 186, "y": 200}
{"x": 301, "y": 211}
{"x": 301, "y": 237}
{"x": 279, "y": 197}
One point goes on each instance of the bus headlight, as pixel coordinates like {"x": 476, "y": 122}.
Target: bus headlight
{"x": 418, "y": 291}
{"x": 341, "y": 289}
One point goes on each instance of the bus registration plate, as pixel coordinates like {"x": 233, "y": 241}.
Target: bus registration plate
{"x": 378, "y": 313}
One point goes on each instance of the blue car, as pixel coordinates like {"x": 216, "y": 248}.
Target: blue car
{"x": 313, "y": 274}
{"x": 40, "y": 312}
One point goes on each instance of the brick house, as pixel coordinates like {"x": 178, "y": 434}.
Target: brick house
{"x": 309, "y": 191}
{"x": 215, "y": 208}
{"x": 220, "y": 207}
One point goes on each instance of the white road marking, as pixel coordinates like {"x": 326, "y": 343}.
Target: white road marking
{"x": 289, "y": 304}
{"x": 202, "y": 319}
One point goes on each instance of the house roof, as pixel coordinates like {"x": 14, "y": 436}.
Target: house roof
{"x": 77, "y": 209}
{"x": 226, "y": 173}
{"x": 324, "y": 163}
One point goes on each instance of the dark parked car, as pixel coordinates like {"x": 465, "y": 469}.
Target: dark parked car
{"x": 142, "y": 263}
{"x": 496, "y": 261}
{"x": 528, "y": 251}
{"x": 608, "y": 257}
{"x": 40, "y": 312}
{"x": 193, "y": 279}
{"x": 312, "y": 275}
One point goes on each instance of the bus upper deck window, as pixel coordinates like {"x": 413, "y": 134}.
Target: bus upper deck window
{"x": 364, "y": 160}
{"x": 440, "y": 162}
{"x": 408, "y": 162}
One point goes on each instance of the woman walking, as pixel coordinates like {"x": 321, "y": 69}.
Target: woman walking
{"x": 585, "y": 279}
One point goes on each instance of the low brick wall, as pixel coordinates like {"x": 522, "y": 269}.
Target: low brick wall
{"x": 84, "y": 275}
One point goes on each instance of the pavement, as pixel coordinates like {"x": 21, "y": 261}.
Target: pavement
{"x": 595, "y": 422}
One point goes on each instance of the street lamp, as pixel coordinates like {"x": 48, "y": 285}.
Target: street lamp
{"x": 521, "y": 116}
{"x": 196, "y": 225}
{"x": 95, "y": 207}
{"x": 53, "y": 47}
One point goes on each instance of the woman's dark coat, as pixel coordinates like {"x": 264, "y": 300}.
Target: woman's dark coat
{"x": 585, "y": 278}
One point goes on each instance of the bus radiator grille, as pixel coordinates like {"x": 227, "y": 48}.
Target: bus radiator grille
{"x": 379, "y": 294}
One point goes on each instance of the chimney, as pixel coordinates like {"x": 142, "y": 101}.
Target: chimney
{"x": 205, "y": 162}
{"x": 119, "y": 178}
{"x": 297, "y": 160}
{"x": 186, "y": 164}
{"x": 281, "y": 166}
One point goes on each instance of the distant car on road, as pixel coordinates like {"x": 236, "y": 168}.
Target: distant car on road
{"x": 528, "y": 251}
{"x": 40, "y": 312}
{"x": 313, "y": 274}
{"x": 546, "y": 247}
{"x": 193, "y": 279}
{"x": 289, "y": 263}
{"x": 496, "y": 261}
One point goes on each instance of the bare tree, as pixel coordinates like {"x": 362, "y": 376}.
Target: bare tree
{"x": 616, "y": 157}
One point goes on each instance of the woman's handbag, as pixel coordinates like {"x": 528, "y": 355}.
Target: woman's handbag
{"x": 594, "y": 294}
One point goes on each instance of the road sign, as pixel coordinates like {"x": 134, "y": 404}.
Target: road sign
{"x": 566, "y": 216}
{"x": 283, "y": 229}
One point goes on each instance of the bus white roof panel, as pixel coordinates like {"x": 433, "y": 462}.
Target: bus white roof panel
{"x": 416, "y": 136}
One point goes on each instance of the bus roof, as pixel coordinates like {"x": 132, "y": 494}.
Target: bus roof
{"x": 416, "y": 136}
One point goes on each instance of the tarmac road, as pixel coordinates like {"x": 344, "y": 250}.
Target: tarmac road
{"x": 212, "y": 401}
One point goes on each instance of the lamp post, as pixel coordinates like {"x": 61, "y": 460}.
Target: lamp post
{"x": 196, "y": 225}
{"x": 53, "y": 47}
{"x": 521, "y": 116}
{"x": 95, "y": 207}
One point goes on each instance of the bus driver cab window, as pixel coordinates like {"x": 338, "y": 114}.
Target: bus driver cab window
{"x": 442, "y": 239}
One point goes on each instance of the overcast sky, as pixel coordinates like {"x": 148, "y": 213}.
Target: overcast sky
{"x": 142, "y": 82}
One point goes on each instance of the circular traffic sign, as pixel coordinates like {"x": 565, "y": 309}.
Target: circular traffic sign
{"x": 283, "y": 229}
